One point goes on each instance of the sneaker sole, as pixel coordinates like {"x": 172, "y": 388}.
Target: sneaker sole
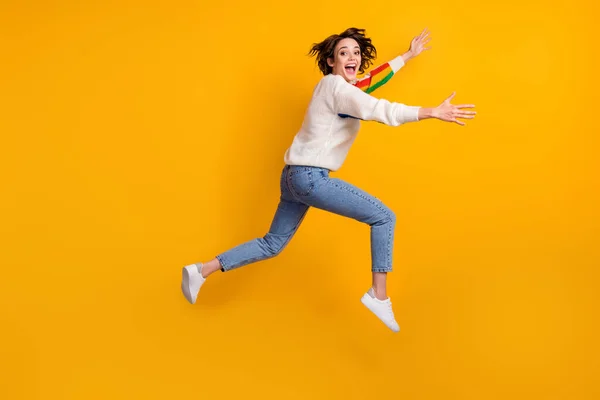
{"x": 185, "y": 285}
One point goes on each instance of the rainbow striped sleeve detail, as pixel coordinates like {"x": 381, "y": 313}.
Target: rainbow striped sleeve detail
{"x": 376, "y": 78}
{"x": 381, "y": 75}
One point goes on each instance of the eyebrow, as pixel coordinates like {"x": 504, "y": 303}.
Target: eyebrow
{"x": 345, "y": 47}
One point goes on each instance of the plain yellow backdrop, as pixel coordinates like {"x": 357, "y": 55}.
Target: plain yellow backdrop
{"x": 139, "y": 137}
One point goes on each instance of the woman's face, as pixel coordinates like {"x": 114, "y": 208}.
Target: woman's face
{"x": 346, "y": 59}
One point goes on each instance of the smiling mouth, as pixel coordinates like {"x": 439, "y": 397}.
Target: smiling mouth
{"x": 350, "y": 68}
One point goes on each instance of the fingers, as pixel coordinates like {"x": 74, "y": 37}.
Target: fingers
{"x": 463, "y": 115}
{"x": 423, "y": 43}
{"x": 455, "y": 114}
{"x": 460, "y": 105}
{"x": 422, "y": 39}
{"x": 422, "y": 36}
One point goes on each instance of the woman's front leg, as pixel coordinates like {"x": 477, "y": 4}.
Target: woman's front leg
{"x": 342, "y": 198}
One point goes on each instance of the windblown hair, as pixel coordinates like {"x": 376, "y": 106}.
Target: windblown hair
{"x": 325, "y": 49}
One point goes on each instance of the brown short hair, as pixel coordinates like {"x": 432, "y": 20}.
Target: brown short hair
{"x": 325, "y": 49}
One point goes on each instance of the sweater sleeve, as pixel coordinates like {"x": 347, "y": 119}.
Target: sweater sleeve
{"x": 351, "y": 102}
{"x": 380, "y": 75}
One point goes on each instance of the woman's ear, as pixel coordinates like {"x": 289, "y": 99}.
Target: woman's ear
{"x": 330, "y": 61}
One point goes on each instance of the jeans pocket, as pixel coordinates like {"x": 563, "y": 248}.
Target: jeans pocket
{"x": 302, "y": 183}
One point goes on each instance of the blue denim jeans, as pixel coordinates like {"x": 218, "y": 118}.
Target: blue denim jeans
{"x": 303, "y": 187}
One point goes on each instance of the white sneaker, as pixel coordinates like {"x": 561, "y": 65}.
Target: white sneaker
{"x": 191, "y": 281}
{"x": 382, "y": 309}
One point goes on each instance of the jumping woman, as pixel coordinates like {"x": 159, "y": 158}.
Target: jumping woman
{"x": 339, "y": 103}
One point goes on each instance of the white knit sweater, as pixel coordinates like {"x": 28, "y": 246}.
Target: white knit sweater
{"x": 332, "y": 122}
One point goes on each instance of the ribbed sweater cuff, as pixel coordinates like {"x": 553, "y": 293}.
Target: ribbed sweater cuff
{"x": 397, "y": 63}
{"x": 409, "y": 113}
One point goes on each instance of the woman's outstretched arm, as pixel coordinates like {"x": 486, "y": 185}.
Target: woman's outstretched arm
{"x": 353, "y": 103}
{"x": 381, "y": 74}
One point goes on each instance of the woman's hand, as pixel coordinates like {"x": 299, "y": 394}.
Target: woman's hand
{"x": 449, "y": 112}
{"x": 417, "y": 45}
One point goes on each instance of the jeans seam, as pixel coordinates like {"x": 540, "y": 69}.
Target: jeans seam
{"x": 359, "y": 195}
{"x": 222, "y": 262}
{"x": 263, "y": 257}
{"x": 289, "y": 187}
{"x": 381, "y": 270}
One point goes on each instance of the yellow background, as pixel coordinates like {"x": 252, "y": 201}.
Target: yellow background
{"x": 139, "y": 137}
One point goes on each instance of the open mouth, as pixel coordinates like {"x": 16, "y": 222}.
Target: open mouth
{"x": 351, "y": 68}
